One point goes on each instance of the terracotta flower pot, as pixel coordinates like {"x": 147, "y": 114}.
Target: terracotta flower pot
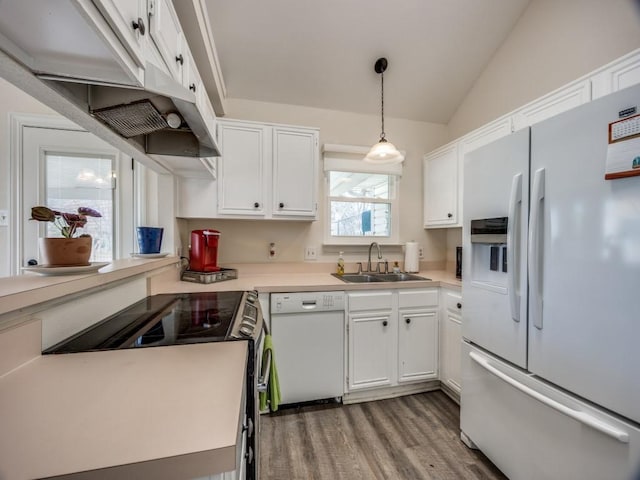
{"x": 65, "y": 252}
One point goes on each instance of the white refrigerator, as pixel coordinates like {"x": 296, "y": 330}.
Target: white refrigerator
{"x": 551, "y": 289}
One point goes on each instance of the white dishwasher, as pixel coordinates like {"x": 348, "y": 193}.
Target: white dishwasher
{"x": 308, "y": 339}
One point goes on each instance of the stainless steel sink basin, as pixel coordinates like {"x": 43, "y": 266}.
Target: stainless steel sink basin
{"x": 399, "y": 277}
{"x": 357, "y": 278}
{"x": 378, "y": 277}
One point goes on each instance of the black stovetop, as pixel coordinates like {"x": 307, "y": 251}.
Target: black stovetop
{"x": 166, "y": 319}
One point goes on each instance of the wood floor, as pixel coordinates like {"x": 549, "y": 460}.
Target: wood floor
{"x": 413, "y": 437}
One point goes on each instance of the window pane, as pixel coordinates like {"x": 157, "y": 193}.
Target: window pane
{"x": 83, "y": 181}
{"x": 359, "y": 185}
{"x": 360, "y": 219}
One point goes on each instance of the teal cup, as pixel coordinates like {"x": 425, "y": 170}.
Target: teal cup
{"x": 149, "y": 239}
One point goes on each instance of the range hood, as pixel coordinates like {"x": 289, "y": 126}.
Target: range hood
{"x": 162, "y": 117}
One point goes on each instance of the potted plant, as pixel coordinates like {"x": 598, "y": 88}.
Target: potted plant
{"x": 71, "y": 249}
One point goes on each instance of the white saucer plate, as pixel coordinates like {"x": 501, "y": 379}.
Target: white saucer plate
{"x": 49, "y": 270}
{"x": 150, "y": 255}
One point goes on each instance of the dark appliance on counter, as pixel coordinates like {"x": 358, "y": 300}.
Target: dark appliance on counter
{"x": 185, "y": 318}
{"x": 459, "y": 262}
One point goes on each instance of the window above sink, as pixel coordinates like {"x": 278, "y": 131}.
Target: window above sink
{"x": 362, "y": 198}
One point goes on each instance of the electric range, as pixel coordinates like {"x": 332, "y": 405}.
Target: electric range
{"x": 186, "y": 318}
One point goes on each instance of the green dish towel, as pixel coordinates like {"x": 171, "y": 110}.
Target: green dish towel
{"x": 272, "y": 395}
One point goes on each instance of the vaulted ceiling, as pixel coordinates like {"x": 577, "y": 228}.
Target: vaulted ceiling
{"x": 320, "y": 53}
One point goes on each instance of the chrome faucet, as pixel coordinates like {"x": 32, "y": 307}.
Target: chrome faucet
{"x": 379, "y": 255}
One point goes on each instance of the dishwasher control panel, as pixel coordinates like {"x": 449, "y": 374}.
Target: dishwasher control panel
{"x": 307, "y": 302}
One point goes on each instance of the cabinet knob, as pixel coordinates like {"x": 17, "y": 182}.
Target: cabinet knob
{"x": 459, "y": 305}
{"x": 139, "y": 25}
{"x": 281, "y": 205}
{"x": 180, "y": 59}
{"x": 385, "y": 323}
{"x": 408, "y": 320}
{"x": 256, "y": 205}
{"x": 449, "y": 215}
{"x": 192, "y": 87}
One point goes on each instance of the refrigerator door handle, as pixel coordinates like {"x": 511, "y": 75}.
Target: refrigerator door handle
{"x": 537, "y": 196}
{"x": 577, "y": 415}
{"x": 513, "y": 246}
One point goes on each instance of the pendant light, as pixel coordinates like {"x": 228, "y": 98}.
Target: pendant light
{"x": 383, "y": 151}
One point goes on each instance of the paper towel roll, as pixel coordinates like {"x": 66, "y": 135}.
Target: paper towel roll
{"x": 411, "y": 257}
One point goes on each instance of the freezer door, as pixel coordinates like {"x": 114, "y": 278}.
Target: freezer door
{"x": 584, "y": 258}
{"x": 496, "y": 184}
{"x": 532, "y": 431}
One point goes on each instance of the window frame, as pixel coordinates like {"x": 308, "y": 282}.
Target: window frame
{"x": 349, "y": 158}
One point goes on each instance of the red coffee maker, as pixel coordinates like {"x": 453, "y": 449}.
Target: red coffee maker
{"x": 203, "y": 256}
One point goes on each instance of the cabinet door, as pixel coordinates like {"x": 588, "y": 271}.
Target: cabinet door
{"x": 129, "y": 20}
{"x": 166, "y": 32}
{"x": 371, "y": 350}
{"x": 295, "y": 162}
{"x": 418, "y": 346}
{"x": 441, "y": 188}
{"x": 241, "y": 169}
{"x": 451, "y": 344}
{"x": 551, "y": 105}
{"x": 621, "y": 74}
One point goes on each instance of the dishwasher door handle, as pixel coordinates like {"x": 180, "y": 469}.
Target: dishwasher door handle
{"x": 309, "y": 304}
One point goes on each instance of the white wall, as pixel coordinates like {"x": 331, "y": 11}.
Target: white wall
{"x": 247, "y": 241}
{"x": 553, "y": 43}
{"x": 12, "y": 100}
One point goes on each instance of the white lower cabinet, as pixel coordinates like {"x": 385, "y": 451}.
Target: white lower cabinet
{"x": 417, "y": 345}
{"x": 451, "y": 340}
{"x": 392, "y": 337}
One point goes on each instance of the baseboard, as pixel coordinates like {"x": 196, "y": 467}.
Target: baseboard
{"x": 451, "y": 393}
{"x": 389, "y": 392}
{"x": 467, "y": 441}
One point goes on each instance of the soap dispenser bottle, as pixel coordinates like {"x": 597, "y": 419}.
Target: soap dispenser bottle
{"x": 340, "y": 270}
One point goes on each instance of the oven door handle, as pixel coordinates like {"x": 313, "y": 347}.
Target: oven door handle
{"x": 263, "y": 380}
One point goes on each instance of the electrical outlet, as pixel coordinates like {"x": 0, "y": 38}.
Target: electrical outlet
{"x": 420, "y": 252}
{"x": 310, "y": 253}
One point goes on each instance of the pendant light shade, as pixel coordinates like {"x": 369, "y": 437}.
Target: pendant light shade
{"x": 383, "y": 151}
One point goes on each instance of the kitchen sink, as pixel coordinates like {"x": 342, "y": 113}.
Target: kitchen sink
{"x": 399, "y": 277}
{"x": 378, "y": 277}
{"x": 357, "y": 278}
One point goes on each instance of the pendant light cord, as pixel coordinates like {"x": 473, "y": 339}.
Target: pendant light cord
{"x": 382, "y": 134}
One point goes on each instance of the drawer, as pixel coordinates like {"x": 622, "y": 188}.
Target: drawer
{"x": 370, "y": 301}
{"x": 451, "y": 301}
{"x": 426, "y": 297}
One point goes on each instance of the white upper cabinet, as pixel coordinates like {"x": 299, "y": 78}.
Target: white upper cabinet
{"x": 441, "y": 188}
{"x": 616, "y": 76}
{"x": 267, "y": 171}
{"x": 129, "y": 19}
{"x": 486, "y": 134}
{"x": 73, "y": 39}
{"x": 552, "y": 104}
{"x": 442, "y": 203}
{"x": 295, "y": 163}
{"x": 241, "y": 169}
{"x": 166, "y": 32}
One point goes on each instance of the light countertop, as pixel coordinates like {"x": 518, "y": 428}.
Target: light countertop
{"x": 32, "y": 288}
{"x": 163, "y": 413}
{"x": 295, "y": 282}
